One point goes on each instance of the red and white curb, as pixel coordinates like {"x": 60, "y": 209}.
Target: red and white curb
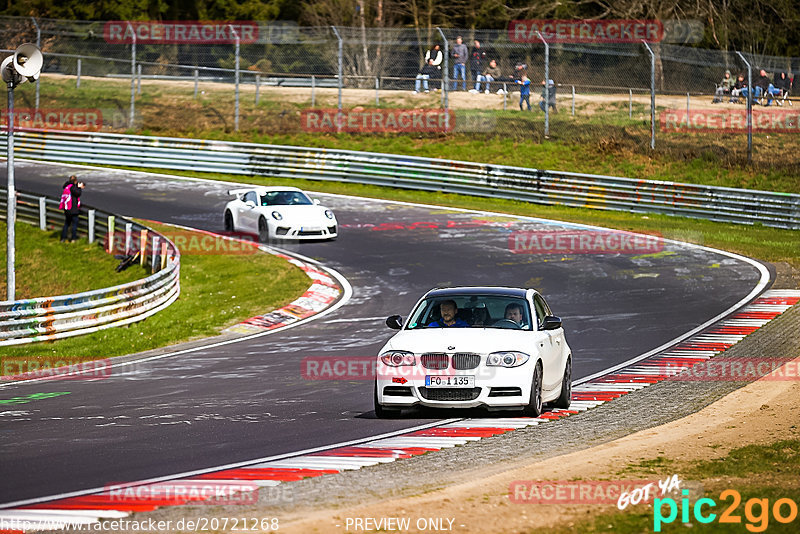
{"x": 324, "y": 291}
{"x": 90, "y": 508}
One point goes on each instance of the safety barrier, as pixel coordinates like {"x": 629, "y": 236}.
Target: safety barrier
{"x": 48, "y": 318}
{"x": 781, "y": 210}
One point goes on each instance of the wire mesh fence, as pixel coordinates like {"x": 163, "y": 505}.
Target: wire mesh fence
{"x": 171, "y": 77}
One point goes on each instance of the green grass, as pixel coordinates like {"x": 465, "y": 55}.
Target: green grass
{"x": 216, "y": 291}
{"x": 755, "y": 471}
{"x": 46, "y": 267}
{"x": 599, "y": 139}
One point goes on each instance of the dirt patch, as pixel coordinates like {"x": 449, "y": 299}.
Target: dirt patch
{"x": 760, "y": 413}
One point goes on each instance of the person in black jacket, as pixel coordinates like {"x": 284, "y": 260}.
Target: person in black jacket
{"x": 71, "y": 205}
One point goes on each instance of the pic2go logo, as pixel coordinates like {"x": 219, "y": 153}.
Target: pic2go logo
{"x": 756, "y": 511}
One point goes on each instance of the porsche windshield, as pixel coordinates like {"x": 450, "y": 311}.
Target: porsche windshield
{"x": 473, "y": 311}
{"x": 285, "y": 198}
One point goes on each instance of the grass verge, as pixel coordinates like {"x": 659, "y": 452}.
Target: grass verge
{"x": 760, "y": 474}
{"x": 601, "y": 137}
{"x": 216, "y": 291}
{"x": 45, "y": 266}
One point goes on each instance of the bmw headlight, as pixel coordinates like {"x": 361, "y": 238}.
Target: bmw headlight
{"x": 277, "y": 215}
{"x": 396, "y": 358}
{"x": 329, "y": 214}
{"x": 506, "y": 359}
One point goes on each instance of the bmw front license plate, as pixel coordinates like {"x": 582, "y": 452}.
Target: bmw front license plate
{"x": 450, "y": 381}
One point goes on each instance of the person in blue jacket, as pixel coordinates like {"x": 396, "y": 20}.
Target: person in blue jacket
{"x": 524, "y": 91}
{"x": 448, "y": 310}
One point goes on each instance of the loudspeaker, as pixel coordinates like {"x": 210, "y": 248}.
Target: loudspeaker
{"x": 28, "y": 60}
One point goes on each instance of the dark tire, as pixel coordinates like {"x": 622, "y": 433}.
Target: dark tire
{"x": 228, "y": 221}
{"x": 263, "y": 230}
{"x": 534, "y": 407}
{"x": 565, "y": 397}
{"x": 382, "y": 412}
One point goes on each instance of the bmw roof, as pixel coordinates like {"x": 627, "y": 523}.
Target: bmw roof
{"x": 472, "y": 290}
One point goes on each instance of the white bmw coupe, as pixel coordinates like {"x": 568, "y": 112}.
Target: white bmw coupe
{"x": 465, "y": 347}
{"x": 275, "y": 213}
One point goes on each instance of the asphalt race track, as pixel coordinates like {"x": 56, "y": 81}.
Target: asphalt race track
{"x": 249, "y": 400}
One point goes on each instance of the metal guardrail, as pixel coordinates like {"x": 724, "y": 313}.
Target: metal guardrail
{"x": 745, "y": 206}
{"x": 48, "y": 318}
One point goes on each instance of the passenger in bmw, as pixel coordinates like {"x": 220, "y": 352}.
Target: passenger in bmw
{"x": 448, "y": 311}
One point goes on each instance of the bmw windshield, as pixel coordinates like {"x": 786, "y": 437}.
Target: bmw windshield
{"x": 473, "y": 311}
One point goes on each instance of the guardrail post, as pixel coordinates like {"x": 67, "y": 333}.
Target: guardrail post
{"x": 110, "y": 235}
{"x": 139, "y": 79}
{"x": 377, "y": 89}
{"x": 154, "y": 254}
{"x": 258, "y": 86}
{"x": 313, "y": 90}
{"x": 78, "y": 75}
{"x": 630, "y": 103}
{"x": 91, "y": 215}
{"x": 142, "y": 246}
{"x": 128, "y": 238}
{"x": 573, "y": 100}
{"x": 687, "y": 108}
{"x": 505, "y": 96}
{"x": 163, "y": 255}
{"x": 196, "y": 81}
{"x": 42, "y": 213}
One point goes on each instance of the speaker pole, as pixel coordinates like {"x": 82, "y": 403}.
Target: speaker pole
{"x": 11, "y": 217}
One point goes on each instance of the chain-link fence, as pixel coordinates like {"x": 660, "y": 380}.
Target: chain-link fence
{"x": 282, "y": 78}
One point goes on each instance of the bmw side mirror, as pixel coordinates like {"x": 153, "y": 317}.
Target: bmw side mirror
{"x": 395, "y": 322}
{"x": 551, "y": 322}
{"x": 250, "y": 204}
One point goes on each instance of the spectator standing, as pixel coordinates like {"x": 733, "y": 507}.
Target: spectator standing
{"x": 489, "y": 75}
{"x": 428, "y": 71}
{"x": 476, "y": 61}
{"x": 71, "y": 205}
{"x": 548, "y": 96}
{"x": 524, "y": 91}
{"x": 459, "y": 54}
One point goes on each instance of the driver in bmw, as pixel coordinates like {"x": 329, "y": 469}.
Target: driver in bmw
{"x": 514, "y": 313}
{"x": 448, "y": 310}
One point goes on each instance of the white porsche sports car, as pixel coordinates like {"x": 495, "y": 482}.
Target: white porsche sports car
{"x": 465, "y": 347}
{"x": 278, "y": 213}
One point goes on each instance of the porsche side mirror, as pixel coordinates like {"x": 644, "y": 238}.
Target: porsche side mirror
{"x": 317, "y": 202}
{"x": 250, "y": 204}
{"x": 551, "y": 322}
{"x": 395, "y": 322}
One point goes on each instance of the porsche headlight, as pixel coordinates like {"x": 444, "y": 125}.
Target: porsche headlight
{"x": 396, "y": 358}
{"x": 506, "y": 359}
{"x": 329, "y": 214}
{"x": 277, "y": 215}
